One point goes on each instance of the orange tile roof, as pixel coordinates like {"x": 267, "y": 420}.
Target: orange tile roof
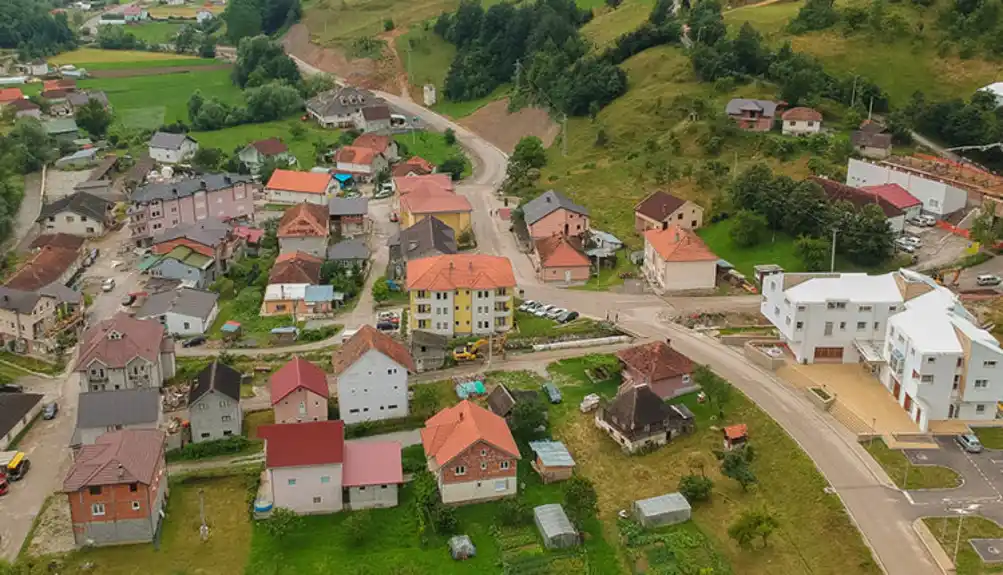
{"x": 293, "y": 181}
{"x": 355, "y": 155}
{"x": 471, "y": 271}
{"x": 8, "y": 95}
{"x": 431, "y": 182}
{"x": 295, "y": 268}
{"x": 453, "y": 430}
{"x": 677, "y": 244}
{"x": 166, "y": 247}
{"x": 429, "y": 202}
{"x": 304, "y": 220}
{"x": 378, "y": 144}
{"x": 367, "y": 338}
{"x": 560, "y": 252}
{"x": 420, "y": 162}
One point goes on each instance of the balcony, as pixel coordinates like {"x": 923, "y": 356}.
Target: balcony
{"x": 502, "y": 309}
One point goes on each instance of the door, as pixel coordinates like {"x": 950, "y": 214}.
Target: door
{"x": 828, "y": 353}
{"x": 907, "y": 406}
{"x": 919, "y": 414}
{"x": 897, "y": 392}
{"x": 567, "y": 276}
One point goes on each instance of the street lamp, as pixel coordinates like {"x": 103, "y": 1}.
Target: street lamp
{"x": 962, "y": 512}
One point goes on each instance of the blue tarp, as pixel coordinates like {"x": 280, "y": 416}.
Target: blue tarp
{"x": 343, "y": 177}
{"x": 465, "y": 390}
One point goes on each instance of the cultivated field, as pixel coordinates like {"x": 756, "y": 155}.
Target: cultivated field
{"x": 95, "y": 58}
{"x": 155, "y": 32}
{"x": 186, "y": 11}
{"x": 334, "y": 22}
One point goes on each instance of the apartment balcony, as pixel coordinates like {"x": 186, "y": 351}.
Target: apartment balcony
{"x": 502, "y": 309}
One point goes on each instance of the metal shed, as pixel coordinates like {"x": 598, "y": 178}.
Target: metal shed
{"x": 554, "y": 526}
{"x": 667, "y": 509}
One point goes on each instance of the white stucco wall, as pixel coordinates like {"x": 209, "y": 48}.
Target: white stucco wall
{"x": 73, "y": 223}
{"x": 371, "y": 496}
{"x": 298, "y": 488}
{"x": 938, "y": 198}
{"x": 288, "y": 197}
{"x": 478, "y": 490}
{"x": 373, "y": 388}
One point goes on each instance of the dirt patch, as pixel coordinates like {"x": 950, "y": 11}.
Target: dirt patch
{"x": 127, "y": 72}
{"x": 503, "y": 129}
{"x": 361, "y": 72}
{"x": 393, "y": 67}
{"x": 54, "y": 533}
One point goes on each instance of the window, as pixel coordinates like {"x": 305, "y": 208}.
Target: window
{"x": 501, "y": 485}
{"x": 228, "y": 433}
{"x": 316, "y": 499}
{"x": 799, "y": 325}
{"x": 484, "y": 465}
{"x": 836, "y": 305}
{"x": 960, "y": 362}
{"x": 484, "y": 453}
{"x": 802, "y": 308}
{"x": 865, "y": 308}
{"x": 828, "y": 328}
{"x": 861, "y": 325}
{"x": 842, "y": 326}
{"x": 892, "y": 308}
{"x": 392, "y": 406}
{"x": 206, "y": 436}
{"x": 877, "y": 325}
{"x": 981, "y": 383}
{"x": 978, "y": 408}
{"x": 461, "y": 470}
{"x": 135, "y": 505}
{"x": 957, "y": 382}
{"x": 98, "y": 508}
{"x": 931, "y": 360}
{"x": 187, "y": 325}
{"x": 226, "y": 418}
{"x": 776, "y": 310}
{"x": 391, "y": 371}
{"x": 292, "y": 482}
{"x": 787, "y": 320}
{"x": 325, "y": 479}
{"x": 133, "y": 487}
{"x": 926, "y": 379}
{"x": 69, "y": 219}
{"x": 95, "y": 490}
{"x": 504, "y": 464}
{"x": 989, "y": 363}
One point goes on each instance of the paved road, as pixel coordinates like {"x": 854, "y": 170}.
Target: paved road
{"x": 25, "y": 228}
{"x": 92, "y": 22}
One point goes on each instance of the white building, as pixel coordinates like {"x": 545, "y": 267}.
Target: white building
{"x": 925, "y": 348}
{"x": 183, "y": 312}
{"x": 939, "y": 198}
{"x": 168, "y": 148}
{"x": 371, "y": 371}
{"x": 801, "y": 121}
{"x": 79, "y": 214}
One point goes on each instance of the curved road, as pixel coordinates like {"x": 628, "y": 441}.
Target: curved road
{"x": 880, "y": 511}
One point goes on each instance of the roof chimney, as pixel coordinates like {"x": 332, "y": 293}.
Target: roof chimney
{"x": 547, "y": 199}
{"x": 668, "y": 341}
{"x": 470, "y": 265}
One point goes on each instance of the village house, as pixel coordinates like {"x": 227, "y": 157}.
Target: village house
{"x": 117, "y": 488}
{"x": 77, "y": 100}
{"x": 656, "y": 365}
{"x": 871, "y": 141}
{"x": 135, "y": 13}
{"x": 79, "y": 214}
{"x": 461, "y": 294}
{"x": 898, "y": 197}
{"x": 429, "y": 183}
{"x": 429, "y": 237}
{"x": 342, "y": 107}
{"x": 254, "y": 154}
{"x": 860, "y": 198}
{"x": 638, "y": 419}
{"x": 382, "y": 145}
{"x": 304, "y": 228}
{"x": 30, "y": 319}
{"x": 125, "y": 353}
{"x": 10, "y": 95}
{"x": 428, "y": 349}
{"x": 25, "y": 109}
{"x": 676, "y": 259}
{"x": 59, "y": 106}
{"x": 348, "y": 216}
{"x": 472, "y": 454}
{"x": 562, "y": 260}
{"x": 413, "y": 166}
{"x": 452, "y": 209}
{"x": 17, "y": 411}
{"x": 349, "y": 253}
{"x": 36, "y": 67}
{"x": 554, "y": 213}
{"x": 299, "y": 392}
{"x": 753, "y": 115}
{"x": 99, "y": 412}
{"x": 375, "y": 118}
{"x": 660, "y": 209}
{"x": 168, "y": 148}
{"x": 214, "y": 403}
{"x": 294, "y": 287}
{"x": 801, "y": 121}
{"x": 361, "y": 163}
{"x": 185, "y": 263}
{"x": 292, "y": 187}
{"x": 372, "y": 474}
{"x": 64, "y": 130}
{"x": 371, "y": 372}
{"x": 61, "y": 84}
{"x": 183, "y": 311}
{"x": 211, "y": 238}
{"x": 54, "y": 263}
{"x": 158, "y": 207}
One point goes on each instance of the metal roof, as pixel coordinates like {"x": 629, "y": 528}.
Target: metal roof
{"x": 121, "y": 407}
{"x": 552, "y": 453}
{"x": 553, "y": 521}
{"x": 668, "y": 503}
{"x": 548, "y": 202}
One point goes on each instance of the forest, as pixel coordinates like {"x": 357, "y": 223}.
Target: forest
{"x": 28, "y": 27}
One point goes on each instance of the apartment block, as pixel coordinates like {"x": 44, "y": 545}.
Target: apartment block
{"x": 461, "y": 294}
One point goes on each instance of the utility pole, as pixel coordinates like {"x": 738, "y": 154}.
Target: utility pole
{"x": 870, "y": 108}
{"x": 853, "y": 93}
{"x": 564, "y": 136}
{"x": 204, "y": 528}
{"x": 832, "y": 258}
{"x": 491, "y": 346}
{"x": 518, "y": 75}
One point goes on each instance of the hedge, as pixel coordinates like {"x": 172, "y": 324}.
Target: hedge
{"x": 207, "y": 449}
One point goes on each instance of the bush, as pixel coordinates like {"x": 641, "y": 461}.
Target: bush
{"x": 580, "y": 499}
{"x": 388, "y": 24}
{"x": 282, "y": 522}
{"x": 449, "y": 137}
{"x": 358, "y": 527}
{"x": 513, "y": 513}
{"x": 206, "y": 449}
{"x": 413, "y": 459}
{"x": 695, "y": 488}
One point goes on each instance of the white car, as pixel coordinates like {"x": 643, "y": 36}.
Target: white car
{"x": 554, "y": 313}
{"x": 108, "y": 285}
{"x": 526, "y": 305}
{"x": 912, "y": 241}
{"x": 926, "y": 220}
{"x": 988, "y": 280}
{"x": 905, "y": 246}
{"x": 542, "y": 311}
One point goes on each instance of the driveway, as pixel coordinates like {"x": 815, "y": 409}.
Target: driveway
{"x": 982, "y": 474}
{"x": 940, "y": 247}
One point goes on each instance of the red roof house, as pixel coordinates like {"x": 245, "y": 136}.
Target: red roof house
{"x": 8, "y": 95}
{"x": 384, "y": 145}
{"x": 656, "y": 365}
{"x": 126, "y": 353}
{"x": 676, "y": 259}
{"x": 304, "y": 464}
{"x": 299, "y": 392}
{"x": 363, "y": 162}
{"x": 295, "y": 268}
{"x": 292, "y": 187}
{"x": 896, "y": 195}
{"x": 562, "y": 260}
{"x": 471, "y": 452}
{"x": 305, "y": 228}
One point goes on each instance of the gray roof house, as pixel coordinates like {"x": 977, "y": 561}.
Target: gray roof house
{"x": 188, "y": 187}
{"x": 553, "y": 213}
{"x": 348, "y": 215}
{"x": 428, "y": 237}
{"x": 16, "y": 411}
{"x": 78, "y": 99}
{"x": 428, "y": 350}
{"x": 170, "y": 148}
{"x": 101, "y": 411}
{"x": 547, "y": 203}
{"x": 341, "y": 108}
{"x": 86, "y": 212}
{"x": 208, "y": 232}
{"x": 214, "y": 403}
{"x": 169, "y": 140}
{"x": 737, "y": 106}
{"x": 184, "y": 311}
{"x": 349, "y": 252}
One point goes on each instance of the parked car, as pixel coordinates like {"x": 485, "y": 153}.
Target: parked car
{"x": 555, "y": 313}
{"x": 534, "y": 307}
{"x": 385, "y": 326}
{"x": 108, "y": 285}
{"x": 905, "y": 246}
{"x": 969, "y": 443}
{"x": 390, "y": 316}
{"x": 50, "y": 410}
{"x": 526, "y": 305}
{"x": 553, "y": 394}
{"x": 912, "y": 241}
{"x": 923, "y": 220}
{"x": 394, "y": 217}
{"x": 194, "y": 342}
{"x": 127, "y": 300}
{"x": 567, "y": 316}
{"x": 542, "y": 311}
{"x": 988, "y": 280}
{"x": 11, "y": 388}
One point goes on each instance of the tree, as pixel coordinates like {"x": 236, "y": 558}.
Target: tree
{"x": 261, "y": 60}
{"x": 243, "y": 19}
{"x": 986, "y": 229}
{"x": 814, "y": 252}
{"x": 697, "y": 461}
{"x": 267, "y": 168}
{"x": 195, "y": 102}
{"x": 753, "y": 524}
{"x": 529, "y": 153}
{"x": 425, "y": 401}
{"x": 381, "y": 291}
{"x": 453, "y": 166}
{"x": 715, "y": 388}
{"x": 185, "y": 40}
{"x": 430, "y": 511}
{"x": 317, "y": 84}
{"x": 706, "y": 23}
{"x": 735, "y": 465}
{"x": 580, "y": 499}
{"x": 207, "y": 46}
{"x": 449, "y": 136}
{"x": 747, "y": 229}
{"x": 695, "y": 488}
{"x": 30, "y": 146}
{"x": 272, "y": 101}
{"x": 282, "y": 522}
{"x": 527, "y": 417}
{"x": 208, "y": 159}
{"x": 358, "y": 527}
{"x": 94, "y": 118}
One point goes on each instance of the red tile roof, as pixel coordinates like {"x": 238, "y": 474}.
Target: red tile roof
{"x": 372, "y": 463}
{"x": 419, "y": 162}
{"x": 305, "y": 220}
{"x": 58, "y": 240}
{"x": 302, "y": 444}
{"x": 270, "y": 147}
{"x": 836, "y": 191}
{"x": 894, "y": 194}
{"x": 252, "y": 235}
{"x": 658, "y": 206}
{"x": 802, "y": 114}
{"x": 374, "y": 142}
{"x": 117, "y": 457}
{"x": 405, "y": 170}
{"x": 298, "y": 373}
{"x": 471, "y": 271}
{"x": 355, "y": 155}
{"x": 561, "y": 252}
{"x": 166, "y": 247}
{"x": 116, "y": 341}
{"x": 23, "y": 105}
{"x": 65, "y": 85}
{"x": 455, "y": 429}
{"x": 44, "y": 268}
{"x": 432, "y": 182}
{"x": 678, "y": 244}
{"x": 736, "y": 431}
{"x": 365, "y": 339}
{"x": 295, "y": 268}
{"x": 8, "y": 95}
{"x": 435, "y": 203}
{"x": 305, "y": 182}
{"x": 656, "y": 360}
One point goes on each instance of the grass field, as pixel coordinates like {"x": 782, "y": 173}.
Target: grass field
{"x": 139, "y": 101}
{"x": 815, "y": 534}
{"x": 610, "y": 24}
{"x": 230, "y": 139}
{"x": 429, "y": 145}
{"x": 895, "y": 463}
{"x": 776, "y": 250}
{"x": 334, "y": 22}
{"x": 430, "y": 56}
{"x": 155, "y": 32}
{"x": 186, "y": 11}
{"x": 945, "y": 529}
{"x": 182, "y": 551}
{"x": 991, "y": 437}
{"x": 96, "y": 58}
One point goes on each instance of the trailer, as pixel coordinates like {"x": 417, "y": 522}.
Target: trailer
{"x": 15, "y": 464}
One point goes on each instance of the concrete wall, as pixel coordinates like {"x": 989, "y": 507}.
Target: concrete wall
{"x": 369, "y": 496}
{"x": 373, "y": 388}
{"x": 938, "y": 198}
{"x": 301, "y": 405}
{"x": 754, "y": 354}
{"x": 471, "y": 491}
{"x": 215, "y": 416}
{"x": 184, "y": 325}
{"x": 290, "y": 197}
{"x": 307, "y": 490}
{"x": 88, "y": 435}
{"x": 800, "y": 127}
{"x": 564, "y": 275}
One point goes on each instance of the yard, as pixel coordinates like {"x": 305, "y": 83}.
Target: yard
{"x": 990, "y": 437}
{"x": 30, "y": 363}
{"x": 425, "y": 56}
{"x": 814, "y": 536}
{"x": 97, "y": 59}
{"x": 181, "y": 550}
{"x": 777, "y": 250}
{"x": 185, "y": 11}
{"x": 609, "y": 277}
{"x": 301, "y": 146}
{"x": 529, "y": 326}
{"x": 908, "y": 476}
{"x": 429, "y": 145}
{"x": 945, "y": 529}
{"x": 155, "y": 32}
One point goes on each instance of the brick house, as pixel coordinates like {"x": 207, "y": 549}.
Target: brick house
{"x": 383, "y": 145}
{"x": 554, "y": 213}
{"x": 472, "y": 454}
{"x": 304, "y": 228}
{"x": 299, "y": 392}
{"x": 753, "y": 115}
{"x": 659, "y": 210}
{"x": 293, "y": 287}
{"x": 656, "y": 365}
{"x": 117, "y": 488}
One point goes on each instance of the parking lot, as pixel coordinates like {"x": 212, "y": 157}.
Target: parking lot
{"x": 982, "y": 473}
{"x": 938, "y": 247}
{"x": 549, "y": 311}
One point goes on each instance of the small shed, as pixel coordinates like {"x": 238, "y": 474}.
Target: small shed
{"x": 285, "y": 334}
{"x": 764, "y": 270}
{"x": 555, "y": 527}
{"x": 735, "y": 436}
{"x": 345, "y": 181}
{"x": 461, "y": 547}
{"x": 667, "y": 509}
{"x": 231, "y": 330}
{"x": 553, "y": 461}
{"x": 468, "y": 388}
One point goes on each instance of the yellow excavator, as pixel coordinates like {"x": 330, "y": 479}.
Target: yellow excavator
{"x": 941, "y": 276}
{"x": 472, "y": 351}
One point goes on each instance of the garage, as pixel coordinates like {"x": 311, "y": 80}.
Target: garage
{"x": 828, "y": 354}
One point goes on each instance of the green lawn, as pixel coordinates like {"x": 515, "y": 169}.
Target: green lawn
{"x": 256, "y": 328}
{"x": 945, "y": 529}
{"x": 529, "y": 326}
{"x": 31, "y": 363}
{"x": 96, "y": 59}
{"x": 991, "y": 437}
{"x": 429, "y": 59}
{"x": 609, "y": 277}
{"x": 611, "y": 24}
{"x": 895, "y": 464}
{"x": 457, "y": 110}
{"x": 230, "y": 139}
{"x": 775, "y": 250}
{"x": 156, "y": 32}
{"x": 815, "y": 534}
{"x": 429, "y": 145}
